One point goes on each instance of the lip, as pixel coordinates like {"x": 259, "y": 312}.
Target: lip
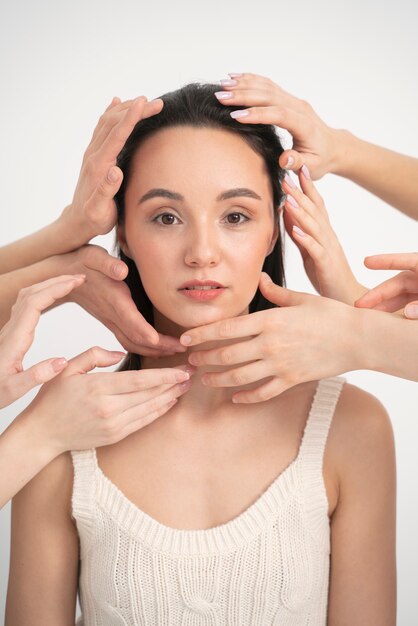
{"x": 202, "y": 294}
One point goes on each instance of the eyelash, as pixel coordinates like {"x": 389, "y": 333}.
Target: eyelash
{"x": 156, "y": 218}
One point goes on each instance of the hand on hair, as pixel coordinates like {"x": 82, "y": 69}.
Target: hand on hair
{"x": 92, "y": 211}
{"x": 18, "y": 333}
{"x": 308, "y": 338}
{"x": 397, "y": 292}
{"x": 105, "y": 296}
{"x": 314, "y": 143}
{"x": 306, "y": 221}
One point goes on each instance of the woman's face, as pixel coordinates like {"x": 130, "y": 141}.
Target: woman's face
{"x": 198, "y": 207}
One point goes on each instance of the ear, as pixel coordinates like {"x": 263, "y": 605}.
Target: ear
{"x": 123, "y": 244}
{"x": 273, "y": 237}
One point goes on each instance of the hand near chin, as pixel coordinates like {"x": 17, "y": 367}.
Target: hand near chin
{"x": 105, "y": 295}
{"x": 281, "y": 347}
{"x": 93, "y": 211}
{"x": 307, "y": 223}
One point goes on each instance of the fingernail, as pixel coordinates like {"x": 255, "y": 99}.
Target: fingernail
{"x": 180, "y": 349}
{"x": 290, "y": 161}
{"x": 186, "y": 385}
{"x": 234, "y": 75}
{"x": 237, "y": 114}
{"x": 117, "y": 353}
{"x": 186, "y": 340}
{"x": 79, "y": 277}
{"x": 289, "y": 181}
{"x": 189, "y": 369}
{"x": 292, "y": 201}
{"x": 266, "y": 277}
{"x": 229, "y": 83}
{"x": 411, "y": 311}
{"x": 58, "y": 364}
{"x": 223, "y": 95}
{"x": 192, "y": 359}
{"x": 305, "y": 172}
{"x": 182, "y": 376}
{"x": 205, "y": 379}
{"x": 113, "y": 174}
{"x": 299, "y": 231}
{"x": 118, "y": 270}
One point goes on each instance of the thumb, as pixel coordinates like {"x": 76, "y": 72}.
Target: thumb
{"x": 411, "y": 310}
{"x": 88, "y": 360}
{"x": 291, "y": 160}
{"x": 280, "y": 295}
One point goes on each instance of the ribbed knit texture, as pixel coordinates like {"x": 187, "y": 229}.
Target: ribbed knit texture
{"x": 268, "y": 566}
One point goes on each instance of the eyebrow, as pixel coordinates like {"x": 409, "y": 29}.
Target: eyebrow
{"x": 225, "y": 195}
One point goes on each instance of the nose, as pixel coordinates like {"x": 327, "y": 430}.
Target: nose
{"x": 203, "y": 247}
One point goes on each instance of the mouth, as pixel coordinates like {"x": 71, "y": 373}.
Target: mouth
{"x": 202, "y": 289}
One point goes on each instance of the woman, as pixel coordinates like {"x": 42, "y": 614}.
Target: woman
{"x": 216, "y": 513}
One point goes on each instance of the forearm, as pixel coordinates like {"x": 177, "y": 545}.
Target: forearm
{"x": 391, "y": 176}
{"x": 23, "y": 454}
{"x": 55, "y": 238}
{"x": 387, "y": 343}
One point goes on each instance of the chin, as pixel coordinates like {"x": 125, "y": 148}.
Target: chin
{"x": 201, "y": 315}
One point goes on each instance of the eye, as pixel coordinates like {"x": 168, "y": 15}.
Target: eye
{"x": 235, "y": 218}
{"x": 165, "y": 219}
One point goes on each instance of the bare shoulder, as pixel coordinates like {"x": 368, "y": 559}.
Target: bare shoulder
{"x": 360, "y": 450}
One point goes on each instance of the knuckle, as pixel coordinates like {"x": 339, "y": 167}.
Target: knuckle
{"x": 305, "y": 106}
{"x": 238, "y": 377}
{"x": 225, "y": 329}
{"x": 225, "y": 356}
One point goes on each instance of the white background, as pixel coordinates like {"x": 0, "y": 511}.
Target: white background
{"x": 61, "y": 63}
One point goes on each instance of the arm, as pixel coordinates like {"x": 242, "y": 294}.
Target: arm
{"x": 361, "y": 455}
{"x": 322, "y": 148}
{"x": 44, "y": 551}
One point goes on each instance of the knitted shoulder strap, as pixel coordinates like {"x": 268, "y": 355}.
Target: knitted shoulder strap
{"x": 83, "y": 501}
{"x": 313, "y": 447}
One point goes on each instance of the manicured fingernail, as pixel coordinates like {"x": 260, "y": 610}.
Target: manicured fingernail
{"x": 192, "y": 359}
{"x": 186, "y": 385}
{"x": 229, "y": 83}
{"x": 205, "y": 379}
{"x": 224, "y": 95}
{"x": 305, "y": 172}
{"x": 237, "y": 114}
{"x": 58, "y": 364}
{"x": 113, "y": 174}
{"x": 289, "y": 181}
{"x": 411, "y": 311}
{"x": 185, "y": 340}
{"x": 290, "y": 161}
{"x": 234, "y": 75}
{"x": 299, "y": 231}
{"x": 292, "y": 201}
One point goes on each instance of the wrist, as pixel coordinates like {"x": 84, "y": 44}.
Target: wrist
{"x": 32, "y": 434}
{"x": 344, "y": 146}
{"x": 73, "y": 231}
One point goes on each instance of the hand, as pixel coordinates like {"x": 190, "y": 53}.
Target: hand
{"x": 308, "y": 338}
{"x": 105, "y": 296}
{"x": 306, "y": 221}
{"x": 77, "y": 410}
{"x": 395, "y": 293}
{"x": 314, "y": 143}
{"x": 18, "y": 333}
{"x": 93, "y": 211}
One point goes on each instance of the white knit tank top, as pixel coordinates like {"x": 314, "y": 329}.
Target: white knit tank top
{"x": 268, "y": 566}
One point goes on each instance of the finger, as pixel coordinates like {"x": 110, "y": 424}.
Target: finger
{"x": 250, "y": 97}
{"x": 30, "y": 304}
{"x": 397, "y": 261}
{"x": 237, "y": 377}
{"x": 115, "y": 383}
{"x": 395, "y": 304}
{"x": 291, "y": 160}
{"x": 387, "y": 290}
{"x": 134, "y": 419}
{"x": 229, "y": 354}
{"x": 280, "y": 295}
{"x": 269, "y": 390}
{"x": 21, "y": 383}
{"x": 242, "y": 326}
{"x": 100, "y": 260}
{"x": 100, "y": 207}
{"x": 305, "y": 221}
{"x": 117, "y": 137}
{"x": 106, "y": 121}
{"x": 310, "y": 190}
{"x": 411, "y": 310}
{"x": 115, "y": 101}
{"x": 94, "y": 357}
{"x": 289, "y": 119}
{"x": 315, "y": 250}
{"x": 309, "y": 199}
{"x": 123, "y": 402}
{"x": 135, "y": 348}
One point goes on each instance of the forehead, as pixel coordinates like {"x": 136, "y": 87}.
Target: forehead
{"x": 186, "y": 156}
